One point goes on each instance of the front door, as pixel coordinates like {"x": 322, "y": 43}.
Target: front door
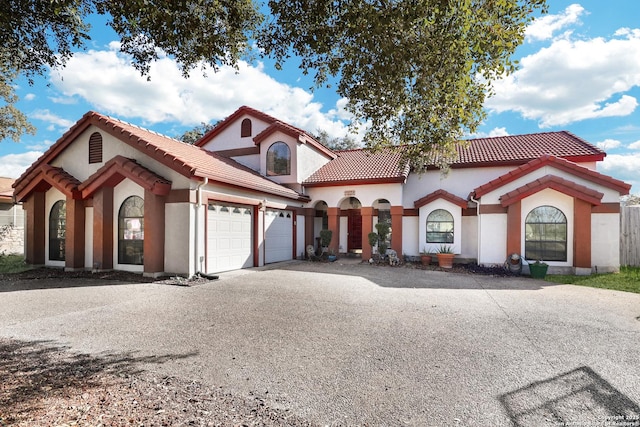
{"x": 355, "y": 230}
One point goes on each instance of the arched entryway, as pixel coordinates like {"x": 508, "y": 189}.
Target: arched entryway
{"x": 351, "y": 208}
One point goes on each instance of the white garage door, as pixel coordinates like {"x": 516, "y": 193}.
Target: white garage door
{"x": 278, "y": 236}
{"x": 229, "y": 237}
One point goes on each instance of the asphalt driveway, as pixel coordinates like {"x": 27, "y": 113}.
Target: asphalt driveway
{"x": 347, "y": 344}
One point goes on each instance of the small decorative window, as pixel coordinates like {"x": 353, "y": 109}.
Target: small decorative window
{"x": 545, "y": 234}
{"x": 245, "y": 128}
{"x": 131, "y": 231}
{"x": 95, "y": 148}
{"x": 440, "y": 227}
{"x": 57, "y": 230}
{"x": 279, "y": 159}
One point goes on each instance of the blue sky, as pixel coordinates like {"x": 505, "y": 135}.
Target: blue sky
{"x": 579, "y": 71}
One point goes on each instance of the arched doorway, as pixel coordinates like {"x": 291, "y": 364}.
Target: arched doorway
{"x": 351, "y": 206}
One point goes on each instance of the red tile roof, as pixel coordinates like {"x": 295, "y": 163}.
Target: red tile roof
{"x": 361, "y": 167}
{"x": 186, "y": 159}
{"x": 119, "y": 168}
{"x": 440, "y": 194}
{"x": 558, "y": 163}
{"x": 43, "y": 177}
{"x": 556, "y": 183}
{"x": 520, "y": 149}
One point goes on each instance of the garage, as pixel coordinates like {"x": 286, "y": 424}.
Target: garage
{"x": 229, "y": 237}
{"x": 278, "y": 235}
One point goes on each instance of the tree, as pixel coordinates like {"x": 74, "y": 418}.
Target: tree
{"x": 415, "y": 72}
{"x": 336, "y": 143}
{"x": 193, "y": 135}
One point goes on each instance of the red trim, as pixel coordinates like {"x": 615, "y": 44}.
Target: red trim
{"x": 119, "y": 168}
{"x": 441, "y": 194}
{"x": 44, "y": 177}
{"x": 558, "y": 163}
{"x": 606, "y": 208}
{"x": 207, "y": 137}
{"x": 556, "y": 183}
{"x": 298, "y": 134}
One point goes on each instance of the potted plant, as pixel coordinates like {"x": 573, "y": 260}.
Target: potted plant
{"x": 373, "y": 241}
{"x": 538, "y": 269}
{"x": 445, "y": 256}
{"x": 331, "y": 257}
{"x": 426, "y": 256}
{"x": 383, "y": 234}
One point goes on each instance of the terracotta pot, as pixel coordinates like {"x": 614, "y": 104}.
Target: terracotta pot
{"x": 425, "y": 259}
{"x": 445, "y": 260}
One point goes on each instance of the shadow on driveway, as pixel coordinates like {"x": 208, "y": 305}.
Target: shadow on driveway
{"x": 577, "y": 397}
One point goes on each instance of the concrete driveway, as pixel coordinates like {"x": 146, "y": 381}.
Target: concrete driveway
{"x": 350, "y": 344}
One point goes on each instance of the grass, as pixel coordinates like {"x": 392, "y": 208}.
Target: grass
{"x": 13, "y": 264}
{"x": 628, "y": 280}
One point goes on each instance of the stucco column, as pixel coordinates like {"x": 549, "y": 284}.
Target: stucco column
{"x": 397, "y": 213}
{"x": 333, "y": 215}
{"x": 309, "y": 219}
{"x": 581, "y": 234}
{"x": 35, "y": 237}
{"x": 154, "y": 225}
{"x": 514, "y": 228}
{"x": 367, "y": 227}
{"x": 74, "y": 241}
{"x": 103, "y": 229}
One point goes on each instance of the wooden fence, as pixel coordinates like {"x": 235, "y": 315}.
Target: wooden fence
{"x": 630, "y": 236}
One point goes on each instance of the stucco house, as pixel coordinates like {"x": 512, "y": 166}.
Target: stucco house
{"x": 11, "y": 220}
{"x": 255, "y": 190}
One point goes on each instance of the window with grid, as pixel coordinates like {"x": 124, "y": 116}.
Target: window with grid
{"x": 131, "y": 231}
{"x": 57, "y": 231}
{"x": 440, "y": 227}
{"x": 279, "y": 159}
{"x": 545, "y": 235}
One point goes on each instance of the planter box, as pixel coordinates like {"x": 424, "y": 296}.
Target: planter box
{"x": 538, "y": 271}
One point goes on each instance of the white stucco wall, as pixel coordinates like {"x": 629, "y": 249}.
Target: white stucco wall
{"x": 88, "y": 238}
{"x": 75, "y": 158}
{"x": 309, "y": 161}
{"x": 179, "y": 248}
{"x": 344, "y": 234}
{"x": 493, "y": 235}
{"x": 230, "y": 139}
{"x": 51, "y": 197}
{"x": 301, "y": 248}
{"x": 121, "y": 192}
{"x": 469, "y": 243}
{"x": 252, "y": 161}
{"x": 410, "y": 236}
{"x": 605, "y": 242}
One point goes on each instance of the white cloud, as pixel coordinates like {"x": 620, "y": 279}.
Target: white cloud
{"x": 634, "y": 145}
{"x": 13, "y": 165}
{"x": 53, "y": 119}
{"x": 501, "y": 131}
{"x": 30, "y": 97}
{"x": 624, "y": 167}
{"x": 543, "y": 28}
{"x": 608, "y": 144}
{"x": 573, "y": 80}
{"x": 107, "y": 81}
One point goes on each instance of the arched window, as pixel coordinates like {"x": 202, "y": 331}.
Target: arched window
{"x": 131, "y": 231}
{"x": 440, "y": 227}
{"x": 245, "y": 128}
{"x": 545, "y": 235}
{"x": 95, "y": 148}
{"x": 57, "y": 230}
{"x": 279, "y": 159}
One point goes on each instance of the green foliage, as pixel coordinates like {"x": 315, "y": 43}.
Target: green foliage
{"x": 12, "y": 264}
{"x": 345, "y": 143}
{"x": 193, "y": 135}
{"x": 628, "y": 280}
{"x": 416, "y": 72}
{"x": 373, "y": 239}
{"x": 445, "y": 249}
{"x": 325, "y": 237}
